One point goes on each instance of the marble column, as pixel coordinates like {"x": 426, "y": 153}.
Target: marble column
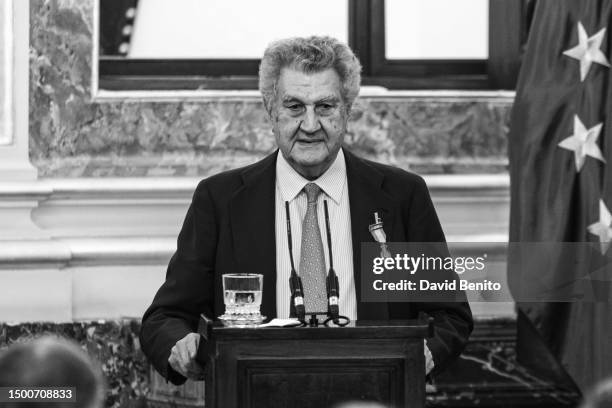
{"x": 34, "y": 286}
{"x": 14, "y": 93}
{"x": 18, "y": 194}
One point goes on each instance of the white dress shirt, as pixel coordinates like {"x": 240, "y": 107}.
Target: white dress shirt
{"x": 334, "y": 186}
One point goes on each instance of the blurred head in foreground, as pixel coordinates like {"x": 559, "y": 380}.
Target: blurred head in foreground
{"x": 600, "y": 396}
{"x": 52, "y": 362}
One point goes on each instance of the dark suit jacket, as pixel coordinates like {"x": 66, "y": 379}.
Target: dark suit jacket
{"x": 230, "y": 228}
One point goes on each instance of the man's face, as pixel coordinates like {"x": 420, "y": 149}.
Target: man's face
{"x": 309, "y": 118}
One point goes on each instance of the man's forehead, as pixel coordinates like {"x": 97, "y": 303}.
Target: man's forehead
{"x": 296, "y": 84}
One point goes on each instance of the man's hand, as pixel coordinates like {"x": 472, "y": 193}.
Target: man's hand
{"x": 182, "y": 357}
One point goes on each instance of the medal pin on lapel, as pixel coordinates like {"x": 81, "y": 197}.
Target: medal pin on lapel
{"x": 378, "y": 233}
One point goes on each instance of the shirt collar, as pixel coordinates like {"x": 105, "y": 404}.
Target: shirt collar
{"x": 331, "y": 182}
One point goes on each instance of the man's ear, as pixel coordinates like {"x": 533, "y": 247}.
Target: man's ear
{"x": 268, "y": 106}
{"x": 349, "y": 111}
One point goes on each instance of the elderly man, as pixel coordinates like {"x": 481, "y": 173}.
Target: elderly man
{"x": 237, "y": 220}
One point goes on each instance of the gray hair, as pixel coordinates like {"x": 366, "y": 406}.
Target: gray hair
{"x": 53, "y": 362}
{"x": 311, "y": 54}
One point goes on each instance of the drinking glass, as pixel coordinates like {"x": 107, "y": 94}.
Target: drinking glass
{"x": 242, "y": 297}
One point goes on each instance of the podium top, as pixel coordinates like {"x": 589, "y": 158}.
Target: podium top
{"x": 370, "y": 329}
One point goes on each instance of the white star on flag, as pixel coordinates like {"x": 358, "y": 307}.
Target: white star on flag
{"x": 587, "y": 51}
{"x": 583, "y": 143}
{"x": 603, "y": 228}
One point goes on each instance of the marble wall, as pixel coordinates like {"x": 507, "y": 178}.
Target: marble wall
{"x": 73, "y": 135}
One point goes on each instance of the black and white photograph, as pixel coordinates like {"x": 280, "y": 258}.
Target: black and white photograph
{"x": 325, "y": 203}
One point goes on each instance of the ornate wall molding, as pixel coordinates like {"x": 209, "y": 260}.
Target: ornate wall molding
{"x": 138, "y": 219}
{"x": 107, "y": 241}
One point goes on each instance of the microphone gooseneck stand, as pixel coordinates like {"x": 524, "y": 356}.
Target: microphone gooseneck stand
{"x": 297, "y": 289}
{"x": 295, "y": 282}
{"x": 333, "y": 288}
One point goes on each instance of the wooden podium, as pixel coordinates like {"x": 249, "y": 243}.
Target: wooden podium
{"x": 315, "y": 366}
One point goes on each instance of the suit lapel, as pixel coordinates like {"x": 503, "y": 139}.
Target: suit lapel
{"x": 252, "y": 215}
{"x": 366, "y": 197}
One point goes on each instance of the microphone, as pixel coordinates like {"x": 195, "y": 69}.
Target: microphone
{"x": 333, "y": 287}
{"x": 332, "y": 278}
{"x": 295, "y": 282}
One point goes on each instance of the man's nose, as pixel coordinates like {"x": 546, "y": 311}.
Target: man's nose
{"x": 310, "y": 123}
